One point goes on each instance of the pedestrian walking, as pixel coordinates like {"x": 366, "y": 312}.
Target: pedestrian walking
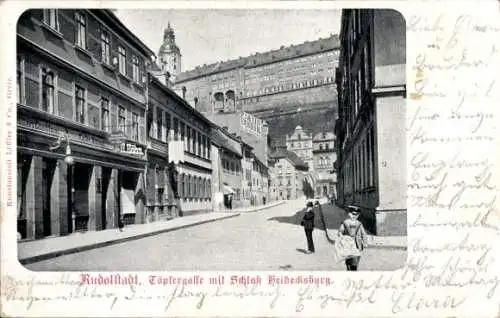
{"x": 354, "y": 228}
{"x": 121, "y": 225}
{"x": 308, "y": 224}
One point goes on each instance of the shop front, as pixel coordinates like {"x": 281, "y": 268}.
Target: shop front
{"x": 73, "y": 179}
{"x": 160, "y": 197}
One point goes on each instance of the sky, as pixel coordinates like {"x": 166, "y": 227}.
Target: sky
{"x": 209, "y": 36}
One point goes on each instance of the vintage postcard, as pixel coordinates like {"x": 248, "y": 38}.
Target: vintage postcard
{"x": 241, "y": 159}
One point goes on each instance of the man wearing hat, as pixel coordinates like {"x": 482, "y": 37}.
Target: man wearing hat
{"x": 353, "y": 228}
{"x": 308, "y": 223}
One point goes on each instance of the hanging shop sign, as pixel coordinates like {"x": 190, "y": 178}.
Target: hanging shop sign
{"x": 131, "y": 149}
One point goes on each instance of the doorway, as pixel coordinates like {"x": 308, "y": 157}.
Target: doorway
{"x": 80, "y": 207}
{"x": 106, "y": 177}
{"x": 48, "y": 170}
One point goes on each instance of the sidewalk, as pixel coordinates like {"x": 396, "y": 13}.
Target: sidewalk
{"x": 252, "y": 208}
{"x": 38, "y": 250}
{"x": 333, "y": 218}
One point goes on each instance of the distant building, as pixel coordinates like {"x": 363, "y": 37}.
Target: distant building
{"x": 254, "y": 133}
{"x": 370, "y": 129}
{"x": 288, "y": 176}
{"x": 169, "y": 54}
{"x": 287, "y": 78}
{"x": 301, "y": 143}
{"x": 323, "y": 158}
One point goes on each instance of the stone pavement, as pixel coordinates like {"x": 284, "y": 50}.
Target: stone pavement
{"x": 38, "y": 250}
{"x": 269, "y": 240}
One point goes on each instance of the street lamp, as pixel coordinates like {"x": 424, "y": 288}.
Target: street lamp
{"x": 69, "y": 160}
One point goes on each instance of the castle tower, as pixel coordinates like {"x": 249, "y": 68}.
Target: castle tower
{"x": 169, "y": 54}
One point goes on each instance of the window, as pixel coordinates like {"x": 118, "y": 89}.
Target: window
{"x": 104, "y": 114}
{"x": 167, "y": 125}
{"x": 199, "y": 145}
{"x": 122, "y": 60}
{"x": 188, "y": 132}
{"x": 193, "y": 141}
{"x": 194, "y": 190}
{"x": 121, "y": 119}
{"x": 19, "y": 80}
{"x": 51, "y": 18}
{"x": 202, "y": 188}
{"x": 204, "y": 146}
{"x": 209, "y": 189}
{"x": 181, "y": 186}
{"x": 208, "y": 148}
{"x": 320, "y": 147}
{"x": 80, "y": 104}
{"x": 159, "y": 124}
{"x": 105, "y": 47}
{"x": 183, "y": 134}
{"x": 188, "y": 189}
{"x": 47, "y": 91}
{"x": 135, "y": 69}
{"x": 135, "y": 127}
{"x": 81, "y": 30}
{"x": 176, "y": 129}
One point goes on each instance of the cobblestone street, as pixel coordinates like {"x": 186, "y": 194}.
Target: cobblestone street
{"x": 270, "y": 239}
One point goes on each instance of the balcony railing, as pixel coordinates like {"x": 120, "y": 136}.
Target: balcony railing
{"x": 158, "y": 145}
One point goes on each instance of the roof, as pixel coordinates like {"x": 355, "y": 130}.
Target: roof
{"x": 258, "y": 59}
{"x": 281, "y": 153}
{"x": 111, "y": 17}
{"x": 184, "y": 103}
{"x": 328, "y": 135}
{"x": 221, "y": 139}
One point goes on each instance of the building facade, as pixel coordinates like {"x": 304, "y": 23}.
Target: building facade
{"x": 247, "y": 170}
{"x": 260, "y": 179}
{"x": 324, "y": 156}
{"x": 189, "y": 141}
{"x": 289, "y": 77}
{"x": 229, "y": 168}
{"x": 301, "y": 143}
{"x": 288, "y": 176}
{"x": 370, "y": 129}
{"x": 81, "y": 133}
{"x": 253, "y": 133}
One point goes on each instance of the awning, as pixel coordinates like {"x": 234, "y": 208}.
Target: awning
{"x": 227, "y": 190}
